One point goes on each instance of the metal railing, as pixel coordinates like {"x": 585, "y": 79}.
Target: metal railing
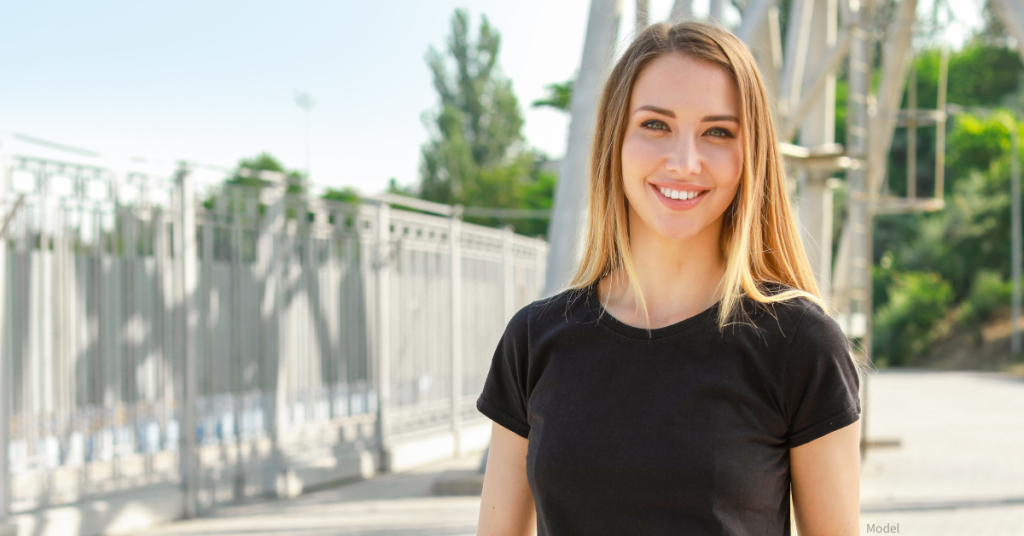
{"x": 162, "y": 339}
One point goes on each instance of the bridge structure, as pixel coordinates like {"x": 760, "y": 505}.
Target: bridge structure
{"x": 164, "y": 352}
{"x": 800, "y": 63}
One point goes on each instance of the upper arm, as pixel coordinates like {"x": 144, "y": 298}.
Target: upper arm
{"x": 506, "y": 507}
{"x": 826, "y": 483}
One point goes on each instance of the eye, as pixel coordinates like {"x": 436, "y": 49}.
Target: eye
{"x": 654, "y": 124}
{"x": 719, "y": 132}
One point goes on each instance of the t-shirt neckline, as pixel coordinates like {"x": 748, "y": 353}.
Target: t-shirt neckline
{"x": 614, "y": 324}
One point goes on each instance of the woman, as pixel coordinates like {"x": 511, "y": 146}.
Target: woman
{"x": 689, "y": 378}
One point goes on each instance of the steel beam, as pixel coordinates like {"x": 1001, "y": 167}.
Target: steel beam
{"x": 753, "y": 20}
{"x": 798, "y": 35}
{"x": 818, "y": 130}
{"x": 642, "y": 15}
{"x": 681, "y": 10}
{"x": 569, "y": 215}
{"x": 822, "y": 77}
{"x": 1011, "y": 13}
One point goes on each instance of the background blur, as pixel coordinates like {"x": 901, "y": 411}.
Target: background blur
{"x": 257, "y": 250}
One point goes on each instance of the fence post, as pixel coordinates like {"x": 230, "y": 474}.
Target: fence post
{"x": 5, "y": 378}
{"x": 508, "y": 280}
{"x": 455, "y": 256}
{"x": 383, "y": 263}
{"x": 186, "y": 265}
{"x": 271, "y": 243}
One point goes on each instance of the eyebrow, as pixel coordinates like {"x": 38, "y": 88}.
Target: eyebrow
{"x": 670, "y": 113}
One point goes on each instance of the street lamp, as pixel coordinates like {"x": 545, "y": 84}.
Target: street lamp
{"x": 306, "y": 102}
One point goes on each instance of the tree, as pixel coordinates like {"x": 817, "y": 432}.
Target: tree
{"x": 346, "y": 194}
{"x": 476, "y": 154}
{"x": 559, "y": 96}
{"x": 479, "y": 122}
{"x": 247, "y": 173}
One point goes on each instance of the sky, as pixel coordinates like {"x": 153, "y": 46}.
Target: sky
{"x": 215, "y": 81}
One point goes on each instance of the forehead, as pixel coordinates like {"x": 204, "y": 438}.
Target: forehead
{"x": 686, "y": 85}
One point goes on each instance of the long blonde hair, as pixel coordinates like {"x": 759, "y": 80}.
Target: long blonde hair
{"x": 759, "y": 239}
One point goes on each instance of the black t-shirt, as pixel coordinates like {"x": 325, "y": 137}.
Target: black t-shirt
{"x": 684, "y": 429}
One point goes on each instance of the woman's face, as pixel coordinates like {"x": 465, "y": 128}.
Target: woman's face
{"x": 682, "y": 152}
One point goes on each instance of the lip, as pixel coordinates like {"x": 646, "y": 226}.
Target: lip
{"x": 678, "y": 204}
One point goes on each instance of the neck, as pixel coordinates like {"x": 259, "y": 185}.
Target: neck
{"x": 678, "y": 278}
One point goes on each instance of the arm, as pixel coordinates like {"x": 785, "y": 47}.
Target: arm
{"x": 826, "y": 483}
{"x": 506, "y": 508}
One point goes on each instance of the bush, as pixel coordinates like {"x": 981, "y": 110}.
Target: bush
{"x": 906, "y": 326}
{"x": 989, "y": 292}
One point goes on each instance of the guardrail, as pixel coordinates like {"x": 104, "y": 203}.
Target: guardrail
{"x": 222, "y": 344}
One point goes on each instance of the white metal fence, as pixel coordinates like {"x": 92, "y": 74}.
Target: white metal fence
{"x": 149, "y": 337}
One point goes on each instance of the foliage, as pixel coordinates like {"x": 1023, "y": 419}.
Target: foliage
{"x": 479, "y": 120}
{"x": 346, "y": 194}
{"x": 559, "y": 96}
{"x": 906, "y": 325}
{"x": 247, "y": 169}
{"x": 966, "y": 246}
{"x": 989, "y": 292}
{"x": 973, "y": 232}
{"x": 476, "y": 155}
{"x": 980, "y": 74}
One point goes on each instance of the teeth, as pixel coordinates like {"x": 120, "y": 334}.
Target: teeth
{"x": 675, "y": 194}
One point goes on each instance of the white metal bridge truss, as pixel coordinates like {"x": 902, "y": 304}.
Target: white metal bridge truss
{"x": 799, "y": 63}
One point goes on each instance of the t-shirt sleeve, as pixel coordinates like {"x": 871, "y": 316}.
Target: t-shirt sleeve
{"x": 504, "y": 398}
{"x": 820, "y": 382}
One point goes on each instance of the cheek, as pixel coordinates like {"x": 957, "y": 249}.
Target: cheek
{"x": 638, "y": 158}
{"x": 727, "y": 167}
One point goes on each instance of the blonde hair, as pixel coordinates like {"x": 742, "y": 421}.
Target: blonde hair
{"x": 759, "y": 239}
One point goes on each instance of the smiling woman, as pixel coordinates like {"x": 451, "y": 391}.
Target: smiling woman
{"x": 690, "y": 380}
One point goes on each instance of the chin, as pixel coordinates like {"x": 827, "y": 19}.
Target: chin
{"x": 676, "y": 231}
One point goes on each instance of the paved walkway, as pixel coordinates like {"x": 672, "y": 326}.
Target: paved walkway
{"x": 960, "y": 467}
{"x": 959, "y": 470}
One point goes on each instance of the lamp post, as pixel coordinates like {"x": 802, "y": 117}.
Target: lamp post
{"x": 306, "y": 102}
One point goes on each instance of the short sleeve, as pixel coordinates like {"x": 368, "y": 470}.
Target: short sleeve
{"x": 820, "y": 382}
{"x": 504, "y": 398}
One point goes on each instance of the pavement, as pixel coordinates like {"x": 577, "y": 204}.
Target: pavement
{"x": 958, "y": 469}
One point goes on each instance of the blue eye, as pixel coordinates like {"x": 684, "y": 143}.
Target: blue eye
{"x": 654, "y": 124}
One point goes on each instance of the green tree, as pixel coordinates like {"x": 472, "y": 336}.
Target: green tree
{"x": 906, "y": 326}
{"x": 980, "y": 74}
{"x": 478, "y": 125}
{"x": 247, "y": 173}
{"x": 476, "y": 155}
{"x": 559, "y": 96}
{"x": 346, "y": 194}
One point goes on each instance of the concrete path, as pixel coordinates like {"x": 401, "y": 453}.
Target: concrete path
{"x": 389, "y": 505}
{"x": 959, "y": 470}
{"x": 960, "y": 467}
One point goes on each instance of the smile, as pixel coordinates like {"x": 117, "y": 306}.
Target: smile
{"x": 680, "y": 194}
{"x": 686, "y": 197}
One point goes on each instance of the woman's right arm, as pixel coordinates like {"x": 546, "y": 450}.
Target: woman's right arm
{"x": 506, "y": 507}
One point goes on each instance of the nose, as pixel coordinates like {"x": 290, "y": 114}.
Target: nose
{"x": 684, "y": 158}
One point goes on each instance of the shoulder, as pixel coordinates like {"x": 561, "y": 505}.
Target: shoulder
{"x": 790, "y": 320}
{"x": 561, "y": 308}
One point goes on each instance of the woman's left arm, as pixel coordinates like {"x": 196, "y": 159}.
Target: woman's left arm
{"x": 826, "y": 483}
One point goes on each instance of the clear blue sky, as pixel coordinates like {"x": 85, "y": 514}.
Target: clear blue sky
{"x": 213, "y": 81}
